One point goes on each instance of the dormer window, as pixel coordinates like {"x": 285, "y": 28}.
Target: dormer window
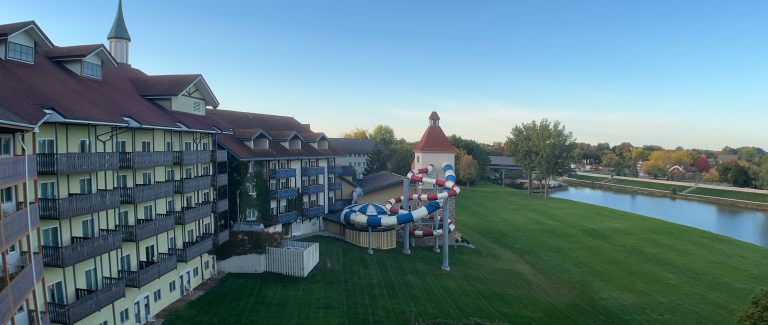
{"x": 294, "y": 144}
{"x": 21, "y": 52}
{"x": 91, "y": 69}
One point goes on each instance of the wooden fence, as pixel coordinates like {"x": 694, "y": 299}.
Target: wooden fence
{"x": 294, "y": 258}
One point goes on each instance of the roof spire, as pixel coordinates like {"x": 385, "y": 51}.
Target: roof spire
{"x": 118, "y": 27}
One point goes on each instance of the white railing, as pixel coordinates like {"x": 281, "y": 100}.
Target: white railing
{"x": 294, "y": 258}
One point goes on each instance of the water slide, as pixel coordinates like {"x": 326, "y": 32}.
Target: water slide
{"x": 373, "y": 216}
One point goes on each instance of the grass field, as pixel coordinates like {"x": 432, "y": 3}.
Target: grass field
{"x": 588, "y": 178}
{"x": 649, "y": 185}
{"x": 746, "y": 196}
{"x": 537, "y": 261}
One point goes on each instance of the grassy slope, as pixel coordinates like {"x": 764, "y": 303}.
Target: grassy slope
{"x": 542, "y": 261}
{"x": 746, "y": 196}
{"x": 649, "y": 185}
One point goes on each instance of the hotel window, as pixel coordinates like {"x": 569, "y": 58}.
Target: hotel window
{"x": 86, "y": 185}
{"x": 207, "y": 265}
{"x": 51, "y": 236}
{"x": 207, "y": 197}
{"x": 125, "y": 262}
{"x": 168, "y": 146}
{"x": 146, "y": 178}
{"x": 56, "y": 292}
{"x": 157, "y": 295}
{"x": 122, "y": 218}
{"x": 47, "y": 190}
{"x": 5, "y": 145}
{"x": 149, "y": 252}
{"x": 85, "y": 145}
{"x": 206, "y": 170}
{"x": 188, "y": 201}
{"x": 21, "y": 52}
{"x": 169, "y": 174}
{"x": 172, "y": 286}
{"x": 91, "y": 282}
{"x": 124, "y": 315}
{"x": 88, "y": 228}
{"x": 122, "y": 146}
{"x": 188, "y": 172}
{"x": 196, "y": 271}
{"x": 91, "y": 69}
{"x": 149, "y": 212}
{"x": 207, "y": 228}
{"x": 206, "y": 145}
{"x": 171, "y": 205}
{"x": 146, "y": 146}
{"x": 172, "y": 243}
{"x": 122, "y": 180}
{"x": 187, "y": 146}
{"x": 46, "y": 146}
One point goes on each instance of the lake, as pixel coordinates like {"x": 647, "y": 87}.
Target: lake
{"x": 743, "y": 224}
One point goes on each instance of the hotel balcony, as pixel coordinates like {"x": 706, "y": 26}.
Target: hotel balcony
{"x": 73, "y": 163}
{"x": 149, "y": 271}
{"x": 335, "y": 186}
{"x": 221, "y": 236}
{"x": 285, "y": 217}
{"x": 282, "y": 173}
{"x": 14, "y": 226}
{"x": 82, "y": 248}
{"x": 219, "y": 156}
{"x": 187, "y": 185}
{"x": 141, "y": 159}
{"x": 191, "y": 157}
{"x": 337, "y": 206}
{"x": 313, "y": 189}
{"x": 284, "y": 193}
{"x": 192, "y": 214}
{"x": 334, "y": 170}
{"x": 143, "y": 193}
{"x": 312, "y": 171}
{"x": 13, "y": 169}
{"x": 219, "y": 180}
{"x": 221, "y": 205}
{"x": 147, "y": 228}
{"x": 87, "y": 301}
{"x": 78, "y": 204}
{"x": 313, "y": 212}
{"x": 192, "y": 250}
{"x": 15, "y": 293}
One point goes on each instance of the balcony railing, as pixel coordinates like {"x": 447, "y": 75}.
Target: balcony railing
{"x": 219, "y": 156}
{"x": 82, "y": 248}
{"x": 187, "y": 185}
{"x": 285, "y": 217}
{"x": 282, "y": 173}
{"x": 334, "y": 170}
{"x": 145, "y": 192}
{"x": 147, "y": 228}
{"x": 191, "y": 157}
{"x": 284, "y": 193}
{"x": 334, "y": 186}
{"x": 73, "y": 163}
{"x": 221, "y": 236}
{"x": 221, "y": 206}
{"x": 313, "y": 189}
{"x": 14, "y": 226}
{"x": 88, "y": 301}
{"x": 20, "y": 287}
{"x": 149, "y": 271}
{"x": 78, "y": 204}
{"x": 141, "y": 159}
{"x": 219, "y": 180}
{"x": 192, "y": 214}
{"x": 13, "y": 169}
{"x": 192, "y": 250}
{"x": 313, "y": 211}
{"x": 337, "y": 206}
{"x": 312, "y": 171}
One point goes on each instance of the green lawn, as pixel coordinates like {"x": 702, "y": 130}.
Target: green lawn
{"x": 754, "y": 197}
{"x": 537, "y": 261}
{"x": 649, "y": 185}
{"x": 588, "y": 178}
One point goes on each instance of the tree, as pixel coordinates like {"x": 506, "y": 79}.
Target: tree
{"x": 383, "y": 134}
{"x": 467, "y": 169}
{"x": 654, "y": 169}
{"x": 712, "y": 177}
{"x": 377, "y": 161}
{"x": 474, "y": 149}
{"x": 735, "y": 173}
{"x": 609, "y": 159}
{"x": 357, "y": 133}
{"x": 554, "y": 146}
{"x": 748, "y": 154}
{"x": 757, "y": 310}
{"x": 702, "y": 164}
{"x": 520, "y": 145}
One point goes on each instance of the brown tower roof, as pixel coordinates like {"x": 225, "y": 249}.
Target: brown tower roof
{"x": 434, "y": 139}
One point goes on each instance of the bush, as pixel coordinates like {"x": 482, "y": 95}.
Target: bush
{"x": 248, "y": 242}
{"x": 757, "y": 310}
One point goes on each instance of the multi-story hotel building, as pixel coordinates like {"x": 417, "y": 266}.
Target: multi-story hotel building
{"x": 113, "y": 192}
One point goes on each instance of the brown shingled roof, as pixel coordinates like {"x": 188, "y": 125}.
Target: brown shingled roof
{"x": 73, "y": 52}
{"x": 434, "y": 140}
{"x": 165, "y": 85}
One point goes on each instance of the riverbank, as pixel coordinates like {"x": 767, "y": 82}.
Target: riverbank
{"x": 664, "y": 190}
{"x": 542, "y": 261}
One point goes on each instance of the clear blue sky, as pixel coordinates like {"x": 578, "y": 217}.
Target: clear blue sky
{"x": 689, "y": 73}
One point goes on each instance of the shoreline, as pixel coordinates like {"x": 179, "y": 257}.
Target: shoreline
{"x": 660, "y": 193}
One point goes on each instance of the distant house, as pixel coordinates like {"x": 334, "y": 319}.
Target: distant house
{"x": 502, "y": 167}
{"x": 682, "y": 173}
{"x": 356, "y": 152}
{"x": 721, "y": 159}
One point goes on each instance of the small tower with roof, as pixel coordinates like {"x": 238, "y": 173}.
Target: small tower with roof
{"x": 119, "y": 39}
{"x": 434, "y": 148}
